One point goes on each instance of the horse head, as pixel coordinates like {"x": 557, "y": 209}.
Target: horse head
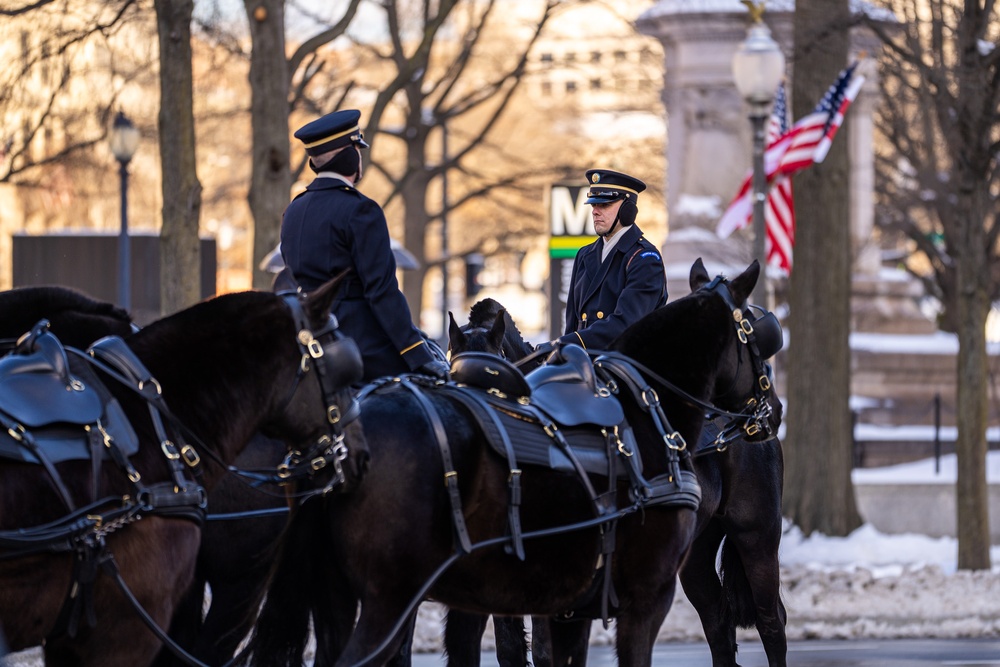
{"x": 700, "y": 342}
{"x": 490, "y": 329}
{"x": 335, "y": 362}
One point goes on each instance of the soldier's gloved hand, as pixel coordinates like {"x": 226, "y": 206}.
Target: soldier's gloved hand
{"x": 436, "y": 369}
{"x": 544, "y": 349}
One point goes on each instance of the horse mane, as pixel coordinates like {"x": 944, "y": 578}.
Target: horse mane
{"x": 482, "y": 315}
{"x": 55, "y": 298}
{"x": 484, "y": 312}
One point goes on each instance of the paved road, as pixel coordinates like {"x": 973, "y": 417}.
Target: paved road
{"x": 819, "y": 653}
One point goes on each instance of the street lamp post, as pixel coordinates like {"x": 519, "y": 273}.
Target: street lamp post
{"x": 758, "y": 66}
{"x": 124, "y": 141}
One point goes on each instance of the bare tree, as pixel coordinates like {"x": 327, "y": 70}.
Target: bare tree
{"x": 271, "y": 74}
{"x": 433, "y": 89}
{"x": 939, "y": 188}
{"x": 818, "y": 493}
{"x": 180, "y": 253}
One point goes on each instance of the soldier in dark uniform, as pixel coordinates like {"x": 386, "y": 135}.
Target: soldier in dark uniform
{"x": 331, "y": 227}
{"x": 619, "y": 278}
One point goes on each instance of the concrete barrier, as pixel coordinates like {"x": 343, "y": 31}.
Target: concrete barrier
{"x": 925, "y": 508}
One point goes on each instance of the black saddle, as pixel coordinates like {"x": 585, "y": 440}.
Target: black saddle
{"x": 565, "y": 388}
{"x": 53, "y": 406}
{"x": 36, "y": 387}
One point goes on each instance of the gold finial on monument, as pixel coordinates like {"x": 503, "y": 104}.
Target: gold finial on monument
{"x": 755, "y": 9}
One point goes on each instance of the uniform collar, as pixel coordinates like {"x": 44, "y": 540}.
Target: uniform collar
{"x": 335, "y": 175}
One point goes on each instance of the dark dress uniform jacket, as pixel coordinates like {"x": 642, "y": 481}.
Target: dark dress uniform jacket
{"x": 331, "y": 227}
{"x": 606, "y": 297}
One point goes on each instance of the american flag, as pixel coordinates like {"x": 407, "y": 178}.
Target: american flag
{"x": 789, "y": 150}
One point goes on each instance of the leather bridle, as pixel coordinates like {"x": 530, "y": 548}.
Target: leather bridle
{"x": 758, "y": 406}
{"x": 337, "y": 364}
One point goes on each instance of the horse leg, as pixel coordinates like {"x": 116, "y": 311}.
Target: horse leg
{"x": 637, "y": 628}
{"x": 569, "y": 642}
{"x": 541, "y": 641}
{"x": 404, "y": 656}
{"x": 185, "y": 626}
{"x": 373, "y": 640}
{"x": 757, "y": 553}
{"x": 463, "y": 636}
{"x": 704, "y": 590}
{"x": 512, "y": 644}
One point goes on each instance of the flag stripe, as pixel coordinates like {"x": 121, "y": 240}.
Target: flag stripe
{"x": 789, "y": 150}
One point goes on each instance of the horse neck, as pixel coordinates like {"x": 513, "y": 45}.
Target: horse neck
{"x": 213, "y": 382}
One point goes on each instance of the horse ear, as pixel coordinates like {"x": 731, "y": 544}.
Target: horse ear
{"x": 699, "y": 275}
{"x": 320, "y": 301}
{"x": 742, "y": 285}
{"x": 455, "y": 333}
{"x": 499, "y": 329}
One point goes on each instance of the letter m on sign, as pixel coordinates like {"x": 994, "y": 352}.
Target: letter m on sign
{"x": 568, "y": 214}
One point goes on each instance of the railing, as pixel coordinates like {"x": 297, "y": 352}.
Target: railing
{"x": 936, "y": 433}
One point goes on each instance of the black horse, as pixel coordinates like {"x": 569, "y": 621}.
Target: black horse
{"x": 398, "y": 539}
{"x": 239, "y": 536}
{"x": 740, "y": 513}
{"x": 227, "y": 368}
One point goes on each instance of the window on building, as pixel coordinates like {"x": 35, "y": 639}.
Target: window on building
{"x": 595, "y": 84}
{"x": 570, "y": 58}
{"x": 547, "y": 88}
{"x": 571, "y": 86}
{"x": 546, "y": 58}
{"x": 595, "y": 57}
{"x": 620, "y": 56}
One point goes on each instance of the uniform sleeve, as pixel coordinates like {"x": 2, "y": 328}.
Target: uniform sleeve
{"x": 372, "y": 255}
{"x": 644, "y": 291}
{"x": 571, "y": 306}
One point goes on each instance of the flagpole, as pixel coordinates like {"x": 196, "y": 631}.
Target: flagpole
{"x": 758, "y": 66}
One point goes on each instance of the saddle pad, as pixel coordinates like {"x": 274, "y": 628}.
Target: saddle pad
{"x": 533, "y": 447}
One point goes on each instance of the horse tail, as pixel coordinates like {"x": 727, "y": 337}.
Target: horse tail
{"x": 737, "y": 597}
{"x": 282, "y": 628}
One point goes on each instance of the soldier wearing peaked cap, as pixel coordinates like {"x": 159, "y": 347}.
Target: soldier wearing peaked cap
{"x": 620, "y": 277}
{"x": 331, "y": 227}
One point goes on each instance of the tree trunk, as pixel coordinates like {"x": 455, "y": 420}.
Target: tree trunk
{"x": 271, "y": 179}
{"x": 972, "y": 492}
{"x": 415, "y": 221}
{"x": 180, "y": 254}
{"x": 818, "y": 493}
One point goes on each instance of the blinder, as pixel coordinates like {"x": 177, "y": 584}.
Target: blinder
{"x": 342, "y": 359}
{"x": 767, "y": 331}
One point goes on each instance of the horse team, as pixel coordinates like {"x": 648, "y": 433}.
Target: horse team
{"x": 396, "y": 496}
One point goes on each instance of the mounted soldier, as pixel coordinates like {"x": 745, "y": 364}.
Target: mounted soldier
{"x": 618, "y": 278}
{"x": 332, "y": 227}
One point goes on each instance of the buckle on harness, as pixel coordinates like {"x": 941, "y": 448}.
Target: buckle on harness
{"x": 190, "y": 456}
{"x": 170, "y": 450}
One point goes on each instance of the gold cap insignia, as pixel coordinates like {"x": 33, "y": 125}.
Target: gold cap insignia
{"x": 596, "y": 178}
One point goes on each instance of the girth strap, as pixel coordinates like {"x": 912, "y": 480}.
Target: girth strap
{"x": 450, "y": 474}
{"x": 490, "y": 424}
